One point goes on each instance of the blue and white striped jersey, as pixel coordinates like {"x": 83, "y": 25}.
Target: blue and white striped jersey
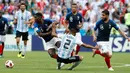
{"x": 68, "y": 42}
{"x": 21, "y": 18}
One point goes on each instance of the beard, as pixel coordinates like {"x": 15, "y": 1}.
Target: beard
{"x": 104, "y": 19}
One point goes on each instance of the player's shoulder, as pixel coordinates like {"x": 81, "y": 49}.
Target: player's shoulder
{"x": 47, "y": 20}
{"x": 69, "y": 13}
{"x": 99, "y": 22}
{"x": 79, "y": 14}
{"x": 112, "y": 21}
{"x": 5, "y": 19}
{"x": 28, "y": 12}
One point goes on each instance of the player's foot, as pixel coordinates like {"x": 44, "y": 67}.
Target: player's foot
{"x": 93, "y": 54}
{"x": 61, "y": 65}
{"x": 111, "y": 69}
{"x": 1, "y": 56}
{"x": 70, "y": 68}
{"x": 23, "y": 56}
{"x": 19, "y": 54}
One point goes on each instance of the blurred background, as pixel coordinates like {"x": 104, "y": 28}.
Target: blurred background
{"x": 57, "y": 10}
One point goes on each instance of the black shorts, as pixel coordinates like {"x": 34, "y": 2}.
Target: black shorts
{"x": 23, "y": 34}
{"x": 69, "y": 60}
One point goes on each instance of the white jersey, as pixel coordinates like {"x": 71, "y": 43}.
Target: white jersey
{"x": 68, "y": 43}
{"x": 21, "y": 18}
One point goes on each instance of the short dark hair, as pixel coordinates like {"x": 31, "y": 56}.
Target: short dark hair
{"x": 74, "y": 4}
{"x": 23, "y": 4}
{"x": 38, "y": 15}
{"x": 105, "y": 12}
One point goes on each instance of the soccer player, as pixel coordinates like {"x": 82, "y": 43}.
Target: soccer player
{"x": 3, "y": 24}
{"x": 22, "y": 19}
{"x": 67, "y": 45}
{"x": 43, "y": 28}
{"x": 104, "y": 27}
{"x": 74, "y": 20}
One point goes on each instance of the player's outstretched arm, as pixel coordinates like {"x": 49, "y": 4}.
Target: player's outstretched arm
{"x": 90, "y": 46}
{"x": 43, "y": 34}
{"x": 94, "y": 36}
{"x": 123, "y": 34}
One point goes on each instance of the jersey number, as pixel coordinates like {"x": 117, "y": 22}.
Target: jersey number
{"x": 67, "y": 43}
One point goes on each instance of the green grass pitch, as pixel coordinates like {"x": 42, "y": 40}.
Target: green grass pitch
{"x": 40, "y": 62}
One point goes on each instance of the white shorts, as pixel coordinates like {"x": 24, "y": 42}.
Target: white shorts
{"x": 2, "y": 38}
{"x": 105, "y": 47}
{"x": 78, "y": 36}
{"x": 51, "y": 43}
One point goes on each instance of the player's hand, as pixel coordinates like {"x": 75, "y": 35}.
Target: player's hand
{"x": 96, "y": 47}
{"x": 94, "y": 39}
{"x": 67, "y": 30}
{"x": 128, "y": 39}
{"x": 54, "y": 34}
{"x": 26, "y": 22}
{"x": 79, "y": 26}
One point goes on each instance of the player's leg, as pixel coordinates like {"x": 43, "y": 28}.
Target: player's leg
{"x": 2, "y": 40}
{"x": 76, "y": 60}
{"x": 108, "y": 60}
{"x": 78, "y": 36}
{"x": 25, "y": 39}
{"x": 52, "y": 53}
{"x": 18, "y": 35}
{"x": 105, "y": 52}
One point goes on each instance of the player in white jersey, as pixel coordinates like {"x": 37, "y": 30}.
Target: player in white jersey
{"x": 22, "y": 19}
{"x": 65, "y": 49}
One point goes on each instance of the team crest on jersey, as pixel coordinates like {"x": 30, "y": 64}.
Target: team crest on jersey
{"x": 2, "y": 22}
{"x": 78, "y": 17}
{"x": 101, "y": 27}
{"x": 71, "y": 19}
{"x": 109, "y": 26}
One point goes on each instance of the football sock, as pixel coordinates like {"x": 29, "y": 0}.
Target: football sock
{"x": 75, "y": 65}
{"x": 0, "y": 48}
{"x": 98, "y": 52}
{"x": 55, "y": 56}
{"x": 18, "y": 47}
{"x": 24, "y": 50}
{"x": 77, "y": 49}
{"x": 72, "y": 53}
{"x": 107, "y": 60}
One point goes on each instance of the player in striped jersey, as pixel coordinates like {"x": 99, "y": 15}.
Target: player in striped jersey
{"x": 22, "y": 19}
{"x": 65, "y": 49}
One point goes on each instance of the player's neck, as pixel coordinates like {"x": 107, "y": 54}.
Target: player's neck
{"x": 22, "y": 11}
{"x": 74, "y": 13}
{"x": 106, "y": 21}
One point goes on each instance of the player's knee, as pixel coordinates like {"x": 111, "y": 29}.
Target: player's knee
{"x": 51, "y": 53}
{"x": 81, "y": 58}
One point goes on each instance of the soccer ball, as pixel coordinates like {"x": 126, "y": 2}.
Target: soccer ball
{"x": 9, "y": 64}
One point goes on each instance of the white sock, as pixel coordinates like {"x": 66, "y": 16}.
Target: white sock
{"x": 24, "y": 50}
{"x": 18, "y": 47}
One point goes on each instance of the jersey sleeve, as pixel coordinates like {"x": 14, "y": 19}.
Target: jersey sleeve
{"x": 60, "y": 35}
{"x": 114, "y": 25}
{"x": 36, "y": 29}
{"x": 29, "y": 15}
{"x": 48, "y": 21}
{"x": 81, "y": 18}
{"x": 67, "y": 17}
{"x": 79, "y": 42}
{"x": 16, "y": 15}
{"x": 6, "y": 22}
{"x": 97, "y": 25}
